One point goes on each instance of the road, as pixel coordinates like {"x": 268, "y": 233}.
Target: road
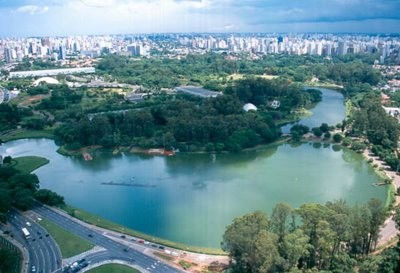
{"x": 114, "y": 250}
{"x": 44, "y": 253}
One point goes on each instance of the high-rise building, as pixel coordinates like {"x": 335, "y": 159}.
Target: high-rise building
{"x": 7, "y": 55}
{"x": 62, "y": 54}
{"x": 342, "y": 48}
{"x": 45, "y": 41}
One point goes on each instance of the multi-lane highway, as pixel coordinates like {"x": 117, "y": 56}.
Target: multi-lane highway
{"x": 115, "y": 250}
{"x": 45, "y": 255}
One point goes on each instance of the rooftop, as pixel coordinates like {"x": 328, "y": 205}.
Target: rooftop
{"x": 198, "y": 91}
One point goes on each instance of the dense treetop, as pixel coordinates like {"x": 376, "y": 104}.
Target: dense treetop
{"x": 313, "y": 238}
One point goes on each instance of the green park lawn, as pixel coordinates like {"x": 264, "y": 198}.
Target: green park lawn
{"x": 24, "y": 133}
{"x": 28, "y": 164}
{"x": 69, "y": 243}
{"x": 113, "y": 268}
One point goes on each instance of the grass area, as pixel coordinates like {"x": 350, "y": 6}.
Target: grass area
{"x": 69, "y": 243}
{"x": 62, "y": 151}
{"x": 28, "y": 164}
{"x": 391, "y": 196}
{"x": 185, "y": 265}
{"x": 349, "y": 109}
{"x": 323, "y": 85}
{"x": 100, "y": 222}
{"x": 15, "y": 258}
{"x": 294, "y": 117}
{"x": 23, "y": 133}
{"x": 163, "y": 256}
{"x": 113, "y": 268}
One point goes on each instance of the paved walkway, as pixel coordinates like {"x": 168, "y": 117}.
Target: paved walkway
{"x": 388, "y": 230}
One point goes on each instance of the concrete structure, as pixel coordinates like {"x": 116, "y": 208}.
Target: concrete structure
{"x": 7, "y": 55}
{"x": 48, "y": 80}
{"x": 62, "y": 54}
{"x": 52, "y": 72}
{"x": 393, "y": 111}
{"x": 135, "y": 97}
{"x": 6, "y": 96}
{"x": 249, "y": 107}
{"x": 198, "y": 91}
{"x": 1, "y": 96}
{"x": 275, "y": 104}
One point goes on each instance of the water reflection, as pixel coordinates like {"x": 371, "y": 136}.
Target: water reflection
{"x": 330, "y": 110}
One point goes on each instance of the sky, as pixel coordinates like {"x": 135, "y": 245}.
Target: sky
{"x": 20, "y": 18}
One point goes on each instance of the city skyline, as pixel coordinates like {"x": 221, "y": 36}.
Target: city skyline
{"x": 23, "y": 18}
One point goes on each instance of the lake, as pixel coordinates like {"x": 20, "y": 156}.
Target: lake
{"x": 330, "y": 110}
{"x": 191, "y": 198}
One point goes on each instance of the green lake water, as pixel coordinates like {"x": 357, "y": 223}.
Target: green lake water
{"x": 192, "y": 198}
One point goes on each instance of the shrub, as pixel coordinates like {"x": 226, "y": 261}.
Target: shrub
{"x": 337, "y": 138}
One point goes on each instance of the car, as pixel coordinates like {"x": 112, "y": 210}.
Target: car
{"x": 40, "y": 237}
{"x": 153, "y": 245}
{"x": 123, "y": 236}
{"x": 47, "y": 235}
{"x": 28, "y": 224}
{"x": 38, "y": 233}
{"x": 33, "y": 239}
{"x": 125, "y": 249}
{"x": 90, "y": 235}
{"x": 161, "y": 247}
{"x": 33, "y": 268}
{"x": 39, "y": 219}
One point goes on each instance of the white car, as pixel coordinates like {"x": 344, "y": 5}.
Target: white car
{"x": 33, "y": 268}
{"x": 28, "y": 224}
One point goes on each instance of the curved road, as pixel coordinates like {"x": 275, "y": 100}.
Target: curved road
{"x": 114, "y": 250}
{"x": 44, "y": 253}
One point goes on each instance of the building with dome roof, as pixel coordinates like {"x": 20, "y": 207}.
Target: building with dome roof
{"x": 48, "y": 80}
{"x": 249, "y": 107}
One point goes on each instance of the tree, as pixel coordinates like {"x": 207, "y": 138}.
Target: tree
{"x": 317, "y": 131}
{"x": 396, "y": 217}
{"x": 358, "y": 146}
{"x": 49, "y": 197}
{"x": 296, "y": 246}
{"x": 7, "y": 160}
{"x": 314, "y": 225}
{"x": 360, "y": 218}
{"x": 8, "y": 260}
{"x": 337, "y": 137}
{"x": 378, "y": 216}
{"x": 243, "y": 241}
{"x": 324, "y": 128}
{"x": 282, "y": 214}
{"x": 266, "y": 253}
{"x": 327, "y": 135}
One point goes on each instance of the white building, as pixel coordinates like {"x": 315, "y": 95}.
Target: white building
{"x": 249, "y": 107}
{"x": 52, "y": 72}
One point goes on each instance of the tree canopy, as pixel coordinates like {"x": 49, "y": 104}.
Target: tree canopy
{"x": 313, "y": 238}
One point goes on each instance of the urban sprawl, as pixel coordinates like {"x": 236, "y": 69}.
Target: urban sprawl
{"x": 175, "y": 45}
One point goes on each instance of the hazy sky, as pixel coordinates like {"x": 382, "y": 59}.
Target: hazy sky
{"x": 71, "y": 17}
